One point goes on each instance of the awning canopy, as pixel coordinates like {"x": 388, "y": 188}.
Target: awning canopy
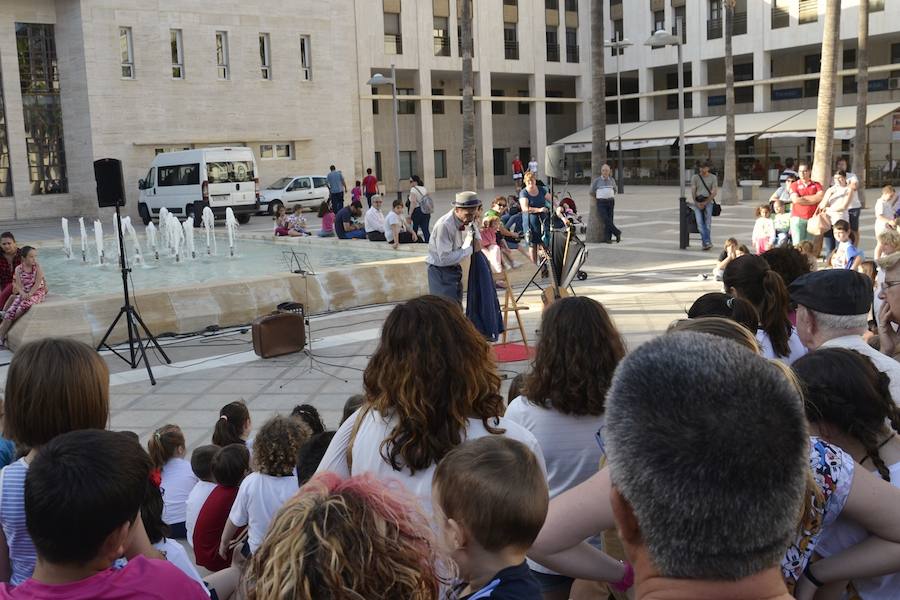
{"x": 697, "y": 130}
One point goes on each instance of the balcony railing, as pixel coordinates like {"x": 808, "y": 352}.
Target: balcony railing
{"x": 781, "y": 17}
{"x": 808, "y": 11}
{"x": 511, "y": 50}
{"x": 441, "y": 46}
{"x": 739, "y": 27}
{"x": 571, "y": 53}
{"x": 713, "y": 29}
{"x": 552, "y": 52}
{"x": 393, "y": 43}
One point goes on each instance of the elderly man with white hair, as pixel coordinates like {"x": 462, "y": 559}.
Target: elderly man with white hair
{"x": 833, "y": 312}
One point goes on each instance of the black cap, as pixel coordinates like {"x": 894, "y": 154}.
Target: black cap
{"x": 833, "y": 292}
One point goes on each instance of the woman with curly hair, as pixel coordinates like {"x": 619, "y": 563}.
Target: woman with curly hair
{"x": 264, "y": 491}
{"x": 431, "y": 384}
{"x": 350, "y": 538}
{"x": 563, "y": 400}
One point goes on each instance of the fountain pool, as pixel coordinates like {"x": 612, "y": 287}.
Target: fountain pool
{"x": 74, "y": 278}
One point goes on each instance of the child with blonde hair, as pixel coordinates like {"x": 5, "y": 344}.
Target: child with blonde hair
{"x": 263, "y": 492}
{"x": 763, "y": 230}
{"x": 888, "y": 238}
{"x": 808, "y": 250}
{"x": 29, "y": 288}
{"x": 167, "y": 451}
{"x": 296, "y": 223}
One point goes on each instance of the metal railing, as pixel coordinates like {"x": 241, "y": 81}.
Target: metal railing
{"x": 781, "y": 17}
{"x": 393, "y": 43}
{"x": 552, "y": 52}
{"x": 571, "y": 53}
{"x": 441, "y": 46}
{"x": 715, "y": 27}
{"x": 511, "y": 50}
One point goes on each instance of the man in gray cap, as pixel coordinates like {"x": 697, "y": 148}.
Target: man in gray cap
{"x": 833, "y": 312}
{"x": 454, "y": 237}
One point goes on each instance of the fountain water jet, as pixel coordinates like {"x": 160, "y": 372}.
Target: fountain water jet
{"x": 209, "y": 224}
{"x": 128, "y": 228}
{"x": 231, "y": 228}
{"x": 83, "y": 239}
{"x": 98, "y": 239}
{"x": 188, "y": 227}
{"x": 150, "y": 232}
{"x": 67, "y": 241}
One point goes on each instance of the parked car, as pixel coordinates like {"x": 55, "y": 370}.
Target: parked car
{"x": 188, "y": 181}
{"x": 307, "y": 191}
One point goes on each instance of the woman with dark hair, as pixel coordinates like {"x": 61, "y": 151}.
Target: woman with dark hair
{"x": 308, "y": 414}
{"x": 420, "y": 220}
{"x": 848, "y": 403}
{"x": 233, "y": 425}
{"x": 717, "y": 304}
{"x": 787, "y": 262}
{"x": 431, "y": 384}
{"x": 563, "y": 400}
{"x": 750, "y": 278}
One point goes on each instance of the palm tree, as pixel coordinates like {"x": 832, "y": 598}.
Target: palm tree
{"x": 821, "y": 169}
{"x": 598, "y": 112}
{"x": 468, "y": 101}
{"x": 729, "y": 182}
{"x": 861, "y": 140}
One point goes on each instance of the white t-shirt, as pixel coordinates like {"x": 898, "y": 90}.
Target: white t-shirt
{"x": 393, "y": 219}
{"x": 882, "y": 362}
{"x": 374, "y": 220}
{"x": 568, "y": 443}
{"x": 258, "y": 499}
{"x": 887, "y": 209}
{"x": 195, "y": 500}
{"x": 367, "y": 458}
{"x": 178, "y": 480}
{"x": 177, "y": 555}
{"x": 795, "y": 347}
{"x": 533, "y": 167}
{"x": 843, "y": 534}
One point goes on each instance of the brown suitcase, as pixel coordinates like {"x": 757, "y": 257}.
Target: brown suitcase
{"x": 278, "y": 334}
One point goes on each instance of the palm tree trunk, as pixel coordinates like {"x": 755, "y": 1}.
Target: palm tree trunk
{"x": 598, "y": 112}
{"x": 468, "y": 101}
{"x": 862, "y": 100}
{"x": 729, "y": 182}
{"x": 821, "y": 168}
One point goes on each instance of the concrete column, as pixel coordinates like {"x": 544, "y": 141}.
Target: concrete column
{"x": 699, "y": 77}
{"x": 583, "y": 91}
{"x": 15, "y": 128}
{"x": 537, "y": 119}
{"x": 645, "y": 84}
{"x": 762, "y": 69}
{"x": 426, "y": 127}
{"x": 484, "y": 135}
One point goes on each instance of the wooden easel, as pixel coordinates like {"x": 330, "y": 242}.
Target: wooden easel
{"x": 510, "y": 305}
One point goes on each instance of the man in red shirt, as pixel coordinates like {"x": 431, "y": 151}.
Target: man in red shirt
{"x": 518, "y": 171}
{"x": 370, "y": 186}
{"x": 805, "y": 197}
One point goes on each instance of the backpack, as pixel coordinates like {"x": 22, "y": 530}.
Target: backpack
{"x": 426, "y": 204}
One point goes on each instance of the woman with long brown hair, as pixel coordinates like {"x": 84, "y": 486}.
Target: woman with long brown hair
{"x": 564, "y": 399}
{"x": 749, "y": 277}
{"x": 431, "y": 384}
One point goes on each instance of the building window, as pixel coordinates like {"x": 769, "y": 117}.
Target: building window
{"x": 393, "y": 41}
{"x": 554, "y": 108}
{"x": 407, "y": 164}
{"x": 876, "y": 5}
{"x": 524, "y": 107}
{"x": 739, "y": 26}
{"x": 441, "y": 33}
{"x": 39, "y": 78}
{"x": 265, "y": 56}
{"x": 497, "y": 108}
{"x": 812, "y": 63}
{"x": 743, "y": 72}
{"x": 571, "y": 45}
{"x": 126, "y": 51}
{"x": 510, "y": 3}
{"x": 440, "y": 164}
{"x": 848, "y": 83}
{"x": 510, "y": 41}
{"x": 672, "y": 84}
{"x": 714, "y": 23}
{"x": 5, "y": 178}
{"x": 551, "y": 4}
{"x": 500, "y": 161}
{"x": 659, "y": 21}
{"x": 374, "y": 102}
{"x": 305, "y": 58}
{"x": 378, "y": 166}
{"x": 680, "y": 23}
{"x": 406, "y": 107}
{"x": 618, "y": 35}
{"x": 177, "y": 53}
{"x": 572, "y": 6}
{"x": 276, "y": 151}
{"x": 437, "y": 106}
{"x": 781, "y": 15}
{"x": 552, "y": 44}
{"x": 808, "y": 11}
{"x": 222, "y": 54}
{"x": 459, "y": 40}
{"x": 460, "y": 101}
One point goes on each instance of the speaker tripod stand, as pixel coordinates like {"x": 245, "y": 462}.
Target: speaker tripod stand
{"x": 137, "y": 345}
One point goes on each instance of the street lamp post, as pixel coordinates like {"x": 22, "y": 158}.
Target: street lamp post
{"x": 664, "y": 38}
{"x": 618, "y": 44}
{"x": 379, "y": 79}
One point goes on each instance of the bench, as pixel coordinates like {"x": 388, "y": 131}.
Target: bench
{"x": 751, "y": 190}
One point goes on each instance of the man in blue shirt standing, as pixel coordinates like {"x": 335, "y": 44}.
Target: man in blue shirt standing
{"x": 336, "y": 187}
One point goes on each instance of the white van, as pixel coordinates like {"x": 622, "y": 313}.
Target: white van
{"x": 186, "y": 182}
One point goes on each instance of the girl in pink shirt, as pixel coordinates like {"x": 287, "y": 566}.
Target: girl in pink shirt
{"x": 327, "y": 216}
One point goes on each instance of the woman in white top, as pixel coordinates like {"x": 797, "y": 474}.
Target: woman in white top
{"x": 420, "y": 220}
{"x": 749, "y": 277}
{"x": 563, "y": 404}
{"x": 836, "y": 204}
{"x": 848, "y": 403}
{"x": 431, "y": 384}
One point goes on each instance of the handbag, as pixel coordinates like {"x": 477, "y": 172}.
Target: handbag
{"x": 818, "y": 224}
{"x": 691, "y": 219}
{"x": 716, "y": 207}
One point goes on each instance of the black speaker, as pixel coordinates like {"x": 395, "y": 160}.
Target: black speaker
{"x": 110, "y": 182}
{"x": 555, "y": 161}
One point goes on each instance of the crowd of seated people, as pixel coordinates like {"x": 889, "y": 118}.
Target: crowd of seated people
{"x": 751, "y": 452}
